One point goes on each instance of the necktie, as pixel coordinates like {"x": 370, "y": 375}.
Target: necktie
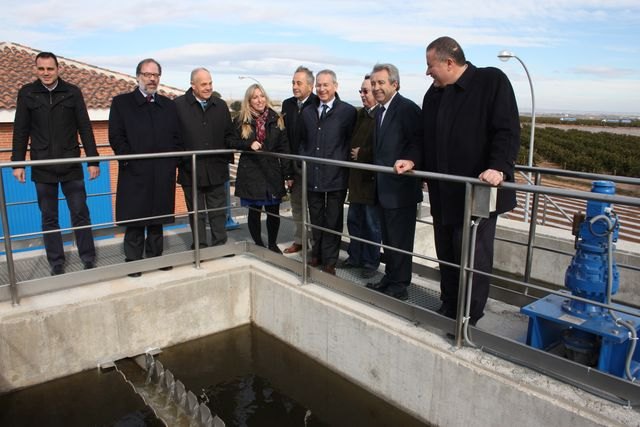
{"x": 300, "y": 104}
{"x": 379, "y": 116}
{"x": 204, "y": 105}
{"x": 149, "y": 98}
{"x": 324, "y": 111}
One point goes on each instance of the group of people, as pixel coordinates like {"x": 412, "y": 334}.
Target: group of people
{"x": 468, "y": 125}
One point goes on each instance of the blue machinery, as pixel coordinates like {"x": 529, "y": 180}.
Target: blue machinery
{"x": 584, "y": 332}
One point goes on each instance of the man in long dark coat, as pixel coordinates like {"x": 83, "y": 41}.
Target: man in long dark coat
{"x": 141, "y": 122}
{"x": 205, "y": 125}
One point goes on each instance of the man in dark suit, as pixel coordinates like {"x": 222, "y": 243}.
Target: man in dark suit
{"x": 397, "y": 135}
{"x": 205, "y": 125}
{"x": 52, "y": 113}
{"x": 141, "y": 122}
{"x": 303, "y": 96}
{"x": 328, "y": 126}
{"x": 471, "y": 128}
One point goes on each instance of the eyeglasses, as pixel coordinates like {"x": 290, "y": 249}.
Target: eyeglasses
{"x": 363, "y": 91}
{"x": 149, "y": 75}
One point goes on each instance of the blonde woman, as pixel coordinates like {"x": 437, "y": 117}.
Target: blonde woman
{"x": 260, "y": 181}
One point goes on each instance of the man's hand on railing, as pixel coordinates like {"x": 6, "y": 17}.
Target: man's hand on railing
{"x": 402, "y": 166}
{"x": 19, "y": 174}
{"x": 94, "y": 171}
{"x": 492, "y": 176}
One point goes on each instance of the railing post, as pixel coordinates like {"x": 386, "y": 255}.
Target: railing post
{"x": 305, "y": 211}
{"x": 464, "y": 259}
{"x": 7, "y": 244}
{"x": 196, "y": 214}
{"x": 532, "y": 233}
{"x": 231, "y": 223}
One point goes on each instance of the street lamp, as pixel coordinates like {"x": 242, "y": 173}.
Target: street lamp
{"x": 505, "y": 55}
{"x": 250, "y": 78}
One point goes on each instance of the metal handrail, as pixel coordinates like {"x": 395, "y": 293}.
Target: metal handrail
{"x": 481, "y": 338}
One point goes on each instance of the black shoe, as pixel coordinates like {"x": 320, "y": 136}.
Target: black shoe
{"x": 345, "y": 264}
{"x": 137, "y": 274}
{"x": 368, "y": 273}
{"x": 378, "y": 286}
{"x": 397, "y": 292}
{"x": 167, "y": 268}
{"x": 447, "y": 311}
{"x": 88, "y": 265}
{"x": 57, "y": 269}
{"x": 275, "y": 248}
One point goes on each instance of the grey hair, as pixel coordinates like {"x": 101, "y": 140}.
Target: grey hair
{"x": 307, "y": 72}
{"x": 331, "y": 73}
{"x": 196, "y": 71}
{"x": 394, "y": 74}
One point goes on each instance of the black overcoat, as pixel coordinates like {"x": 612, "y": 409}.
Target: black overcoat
{"x": 145, "y": 187}
{"x": 209, "y": 129}
{"x": 470, "y": 126}
{"x": 260, "y": 175}
{"x": 53, "y": 120}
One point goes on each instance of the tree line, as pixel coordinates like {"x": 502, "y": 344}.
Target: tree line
{"x": 602, "y": 152}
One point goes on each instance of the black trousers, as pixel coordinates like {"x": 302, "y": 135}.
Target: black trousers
{"x": 398, "y": 230}
{"x": 448, "y": 240}
{"x": 273, "y": 223}
{"x": 136, "y": 243}
{"x": 326, "y": 209}
{"x": 211, "y": 197}
{"x": 76, "y": 197}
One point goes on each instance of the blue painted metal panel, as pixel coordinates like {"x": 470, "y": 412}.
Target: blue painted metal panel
{"x": 25, "y": 218}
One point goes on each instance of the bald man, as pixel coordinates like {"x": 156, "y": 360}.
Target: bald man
{"x": 205, "y": 123}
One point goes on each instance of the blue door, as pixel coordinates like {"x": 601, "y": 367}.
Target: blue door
{"x": 22, "y": 204}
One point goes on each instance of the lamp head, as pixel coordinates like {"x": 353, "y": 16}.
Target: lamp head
{"x": 505, "y": 55}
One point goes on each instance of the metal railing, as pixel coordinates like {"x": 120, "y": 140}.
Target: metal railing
{"x": 475, "y": 192}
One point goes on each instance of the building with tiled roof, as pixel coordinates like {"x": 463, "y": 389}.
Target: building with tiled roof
{"x": 98, "y": 85}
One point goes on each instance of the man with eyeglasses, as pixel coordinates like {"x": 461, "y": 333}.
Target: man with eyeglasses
{"x": 363, "y": 218}
{"x": 52, "y": 113}
{"x": 143, "y": 122}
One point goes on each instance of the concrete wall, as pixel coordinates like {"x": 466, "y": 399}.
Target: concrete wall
{"x": 58, "y": 334}
{"x": 416, "y": 369}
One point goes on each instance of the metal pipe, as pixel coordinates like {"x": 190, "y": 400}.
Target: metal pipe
{"x": 464, "y": 259}
{"x": 532, "y": 234}
{"x": 194, "y": 200}
{"x": 7, "y": 245}
{"x": 305, "y": 267}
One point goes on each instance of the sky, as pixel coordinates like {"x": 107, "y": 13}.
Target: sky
{"x": 583, "y": 56}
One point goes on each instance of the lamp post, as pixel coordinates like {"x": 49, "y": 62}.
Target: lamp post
{"x": 505, "y": 55}
{"x": 250, "y": 78}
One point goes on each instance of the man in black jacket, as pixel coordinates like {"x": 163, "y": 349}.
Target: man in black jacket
{"x": 205, "y": 122}
{"x": 328, "y": 126}
{"x": 471, "y": 128}
{"x": 303, "y": 97}
{"x": 52, "y": 112}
